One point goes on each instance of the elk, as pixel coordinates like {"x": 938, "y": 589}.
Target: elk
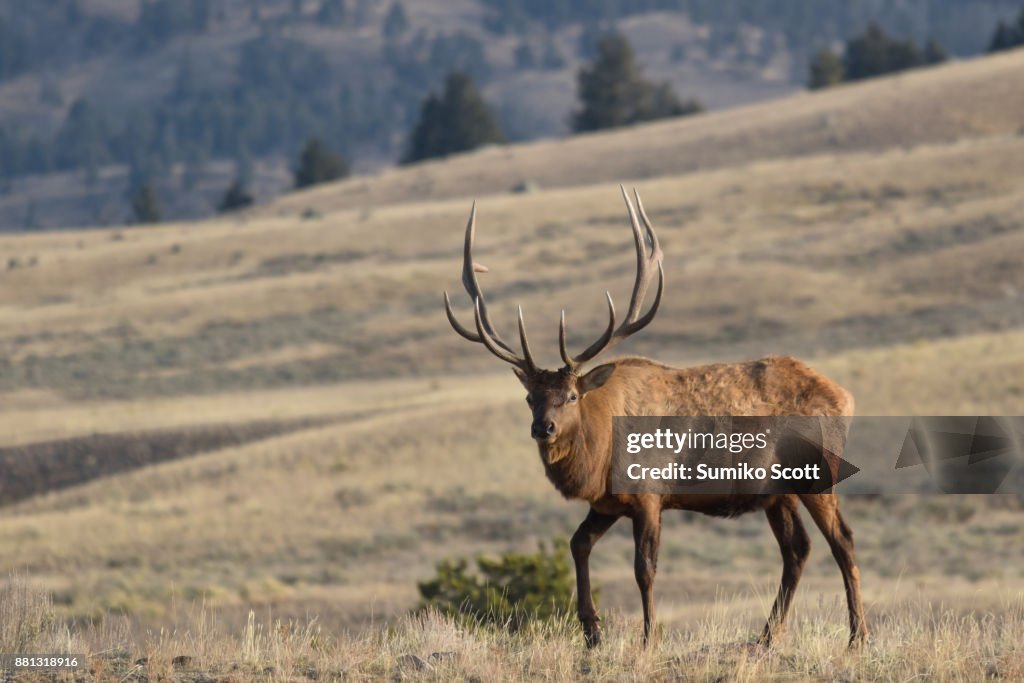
{"x": 572, "y": 426}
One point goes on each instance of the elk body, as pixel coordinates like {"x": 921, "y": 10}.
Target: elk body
{"x": 572, "y": 426}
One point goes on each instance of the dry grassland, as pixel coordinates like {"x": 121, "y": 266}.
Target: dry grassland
{"x": 868, "y": 229}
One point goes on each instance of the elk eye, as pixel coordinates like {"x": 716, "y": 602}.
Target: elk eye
{"x": 529, "y": 400}
{"x": 573, "y": 397}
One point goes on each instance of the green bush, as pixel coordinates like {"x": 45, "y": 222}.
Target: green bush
{"x": 510, "y": 592}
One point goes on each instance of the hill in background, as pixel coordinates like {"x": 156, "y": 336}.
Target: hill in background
{"x": 100, "y": 96}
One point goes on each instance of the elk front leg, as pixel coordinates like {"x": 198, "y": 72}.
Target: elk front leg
{"x": 795, "y": 545}
{"x": 590, "y": 530}
{"x": 646, "y": 538}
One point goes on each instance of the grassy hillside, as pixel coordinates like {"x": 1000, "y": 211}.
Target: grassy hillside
{"x": 313, "y": 436}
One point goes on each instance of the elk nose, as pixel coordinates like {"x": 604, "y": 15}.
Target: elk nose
{"x": 542, "y": 429}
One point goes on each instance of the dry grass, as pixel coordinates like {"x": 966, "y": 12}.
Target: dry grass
{"x": 342, "y": 519}
{"x": 28, "y": 623}
{"x": 917, "y": 639}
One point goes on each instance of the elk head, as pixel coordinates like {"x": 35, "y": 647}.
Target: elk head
{"x": 556, "y": 396}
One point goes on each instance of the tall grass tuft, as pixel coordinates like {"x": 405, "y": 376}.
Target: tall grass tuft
{"x": 26, "y": 616}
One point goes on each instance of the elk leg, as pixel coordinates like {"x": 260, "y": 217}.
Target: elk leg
{"x": 795, "y": 545}
{"x": 646, "y": 538}
{"x": 824, "y": 509}
{"x": 591, "y": 529}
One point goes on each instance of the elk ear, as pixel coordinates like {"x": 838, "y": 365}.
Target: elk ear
{"x": 523, "y": 377}
{"x": 595, "y": 378}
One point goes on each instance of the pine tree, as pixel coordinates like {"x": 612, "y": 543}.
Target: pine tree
{"x": 1002, "y": 38}
{"x": 826, "y": 69}
{"x": 145, "y": 205}
{"x": 660, "y": 101}
{"x": 456, "y": 121}
{"x": 427, "y": 138}
{"x": 874, "y": 53}
{"x": 235, "y": 197}
{"x": 15, "y": 50}
{"x": 609, "y": 88}
{"x": 396, "y": 22}
{"x": 332, "y": 13}
{"x": 83, "y": 139}
{"x": 1008, "y": 36}
{"x": 317, "y": 164}
{"x": 903, "y": 55}
{"x": 195, "y": 165}
{"x": 934, "y": 53}
{"x": 867, "y": 54}
{"x": 613, "y": 91}
{"x": 524, "y": 56}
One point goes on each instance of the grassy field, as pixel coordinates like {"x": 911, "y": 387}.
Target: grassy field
{"x": 287, "y": 427}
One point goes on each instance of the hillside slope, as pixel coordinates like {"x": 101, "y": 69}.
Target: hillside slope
{"x": 817, "y": 253}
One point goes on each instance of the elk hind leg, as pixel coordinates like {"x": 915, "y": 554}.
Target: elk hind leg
{"x": 646, "y": 538}
{"x": 795, "y": 546}
{"x": 824, "y": 509}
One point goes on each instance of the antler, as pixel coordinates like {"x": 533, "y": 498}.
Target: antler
{"x": 645, "y": 269}
{"x": 485, "y": 333}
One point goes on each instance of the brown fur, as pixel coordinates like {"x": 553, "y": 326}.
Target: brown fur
{"x": 577, "y": 460}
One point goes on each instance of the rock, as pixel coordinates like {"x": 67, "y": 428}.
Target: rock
{"x": 526, "y": 187}
{"x": 415, "y": 662}
{"x": 182, "y": 660}
{"x": 443, "y": 656}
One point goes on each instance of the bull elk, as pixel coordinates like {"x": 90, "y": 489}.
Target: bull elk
{"x": 572, "y": 426}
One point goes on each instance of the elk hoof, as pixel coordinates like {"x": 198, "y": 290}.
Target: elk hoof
{"x": 756, "y": 648}
{"x": 592, "y": 633}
